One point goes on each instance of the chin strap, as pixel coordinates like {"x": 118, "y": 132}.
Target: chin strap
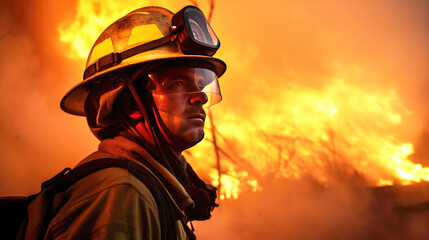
{"x": 204, "y": 195}
{"x": 157, "y": 138}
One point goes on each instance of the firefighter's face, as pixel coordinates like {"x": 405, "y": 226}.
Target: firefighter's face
{"x": 179, "y": 100}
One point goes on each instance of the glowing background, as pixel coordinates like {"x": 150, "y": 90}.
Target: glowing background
{"x": 292, "y": 66}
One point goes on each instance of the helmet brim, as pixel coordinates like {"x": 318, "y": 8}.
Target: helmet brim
{"x": 73, "y": 102}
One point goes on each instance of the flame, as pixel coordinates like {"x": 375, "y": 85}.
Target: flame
{"x": 340, "y": 132}
{"x": 92, "y": 18}
{"x": 232, "y": 182}
{"x": 335, "y": 132}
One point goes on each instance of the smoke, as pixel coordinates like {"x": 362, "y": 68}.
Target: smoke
{"x": 37, "y": 140}
{"x": 302, "y": 209}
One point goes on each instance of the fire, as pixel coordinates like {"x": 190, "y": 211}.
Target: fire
{"x": 335, "y": 132}
{"x": 92, "y": 18}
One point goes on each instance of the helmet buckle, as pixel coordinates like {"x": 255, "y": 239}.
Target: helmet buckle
{"x": 107, "y": 61}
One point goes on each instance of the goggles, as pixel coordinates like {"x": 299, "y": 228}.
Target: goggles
{"x": 189, "y": 27}
{"x": 176, "y": 83}
{"x": 195, "y": 35}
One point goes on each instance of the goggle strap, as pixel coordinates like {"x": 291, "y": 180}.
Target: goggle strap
{"x": 115, "y": 58}
{"x": 154, "y": 136}
{"x": 146, "y": 46}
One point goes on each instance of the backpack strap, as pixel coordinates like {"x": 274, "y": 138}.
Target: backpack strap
{"x": 63, "y": 180}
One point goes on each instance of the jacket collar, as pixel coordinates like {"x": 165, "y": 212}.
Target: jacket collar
{"x": 121, "y": 147}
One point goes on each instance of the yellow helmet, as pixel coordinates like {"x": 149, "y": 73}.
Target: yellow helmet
{"x": 145, "y": 36}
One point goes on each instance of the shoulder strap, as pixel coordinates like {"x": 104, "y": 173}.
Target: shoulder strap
{"x": 67, "y": 177}
{"x": 166, "y": 209}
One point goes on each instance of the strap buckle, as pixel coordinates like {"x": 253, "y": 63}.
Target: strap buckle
{"x": 60, "y": 175}
{"x": 107, "y": 61}
{"x": 102, "y": 63}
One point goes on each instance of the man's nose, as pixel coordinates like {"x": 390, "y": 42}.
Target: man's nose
{"x": 199, "y": 98}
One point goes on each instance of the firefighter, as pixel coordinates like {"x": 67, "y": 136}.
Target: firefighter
{"x": 147, "y": 80}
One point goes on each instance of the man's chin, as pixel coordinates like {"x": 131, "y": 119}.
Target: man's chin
{"x": 196, "y": 136}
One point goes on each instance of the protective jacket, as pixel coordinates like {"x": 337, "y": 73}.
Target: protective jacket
{"x": 113, "y": 203}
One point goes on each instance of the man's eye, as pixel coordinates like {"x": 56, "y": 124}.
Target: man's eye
{"x": 201, "y": 84}
{"x": 176, "y": 85}
{"x": 179, "y": 84}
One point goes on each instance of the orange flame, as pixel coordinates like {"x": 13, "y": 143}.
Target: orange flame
{"x": 336, "y": 132}
{"x": 91, "y": 19}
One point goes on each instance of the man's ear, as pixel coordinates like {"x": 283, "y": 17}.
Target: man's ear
{"x": 131, "y": 110}
{"x": 129, "y": 106}
{"x": 136, "y": 115}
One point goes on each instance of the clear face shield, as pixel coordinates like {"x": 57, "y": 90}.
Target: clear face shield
{"x": 179, "y": 86}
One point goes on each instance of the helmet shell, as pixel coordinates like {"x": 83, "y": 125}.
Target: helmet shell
{"x": 137, "y": 27}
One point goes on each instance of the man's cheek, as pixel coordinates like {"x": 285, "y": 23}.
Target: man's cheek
{"x": 173, "y": 105}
